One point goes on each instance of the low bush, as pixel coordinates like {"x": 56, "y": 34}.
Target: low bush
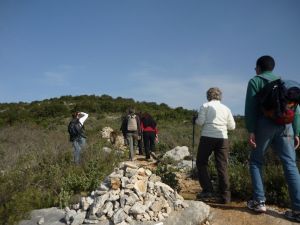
{"x": 45, "y": 175}
{"x": 274, "y": 182}
{"x": 36, "y": 156}
{"x": 168, "y": 176}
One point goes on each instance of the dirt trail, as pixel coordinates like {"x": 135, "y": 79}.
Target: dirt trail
{"x": 234, "y": 213}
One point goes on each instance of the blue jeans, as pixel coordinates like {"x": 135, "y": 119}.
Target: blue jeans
{"x": 78, "y": 144}
{"x": 281, "y": 140}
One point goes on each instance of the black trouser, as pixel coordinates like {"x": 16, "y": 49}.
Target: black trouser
{"x": 220, "y": 148}
{"x": 140, "y": 146}
{"x": 149, "y": 142}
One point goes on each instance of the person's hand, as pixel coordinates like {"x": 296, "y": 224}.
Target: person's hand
{"x": 297, "y": 142}
{"x": 252, "y": 140}
{"x": 156, "y": 138}
{"x": 194, "y": 118}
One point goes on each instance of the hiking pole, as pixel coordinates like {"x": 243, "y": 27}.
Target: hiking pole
{"x": 193, "y": 138}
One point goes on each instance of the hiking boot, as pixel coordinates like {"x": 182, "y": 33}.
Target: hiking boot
{"x": 205, "y": 195}
{"x": 150, "y": 160}
{"x": 224, "y": 201}
{"x": 257, "y": 206}
{"x": 293, "y": 215}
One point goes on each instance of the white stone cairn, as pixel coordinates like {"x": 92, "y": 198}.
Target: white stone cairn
{"x": 114, "y": 138}
{"x": 130, "y": 194}
{"x": 106, "y": 132}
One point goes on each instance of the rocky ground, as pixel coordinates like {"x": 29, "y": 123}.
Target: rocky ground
{"x": 234, "y": 213}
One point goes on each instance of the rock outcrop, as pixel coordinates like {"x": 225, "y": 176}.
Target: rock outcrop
{"x": 178, "y": 153}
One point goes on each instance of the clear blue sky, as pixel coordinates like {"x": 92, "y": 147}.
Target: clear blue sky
{"x": 166, "y": 51}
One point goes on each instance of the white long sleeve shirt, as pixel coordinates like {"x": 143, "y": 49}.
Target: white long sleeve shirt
{"x": 83, "y": 118}
{"x": 215, "y": 119}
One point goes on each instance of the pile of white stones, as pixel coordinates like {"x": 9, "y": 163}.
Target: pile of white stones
{"x": 131, "y": 194}
{"x": 106, "y": 131}
{"x": 117, "y": 140}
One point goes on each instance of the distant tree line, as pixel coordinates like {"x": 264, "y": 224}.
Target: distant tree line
{"x": 36, "y": 111}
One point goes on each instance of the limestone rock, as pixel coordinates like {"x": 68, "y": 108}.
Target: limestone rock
{"x": 105, "y": 132}
{"x": 178, "y": 153}
{"x": 115, "y": 183}
{"x": 137, "y": 208}
{"x": 140, "y": 187}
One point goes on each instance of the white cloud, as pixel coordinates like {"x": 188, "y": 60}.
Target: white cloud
{"x": 55, "y": 78}
{"x": 61, "y": 75}
{"x": 188, "y": 91}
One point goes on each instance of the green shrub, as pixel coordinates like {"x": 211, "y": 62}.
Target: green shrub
{"x": 23, "y": 202}
{"x": 45, "y": 176}
{"x": 36, "y": 155}
{"x": 168, "y": 176}
{"x": 240, "y": 181}
{"x": 239, "y": 152}
{"x": 275, "y": 186}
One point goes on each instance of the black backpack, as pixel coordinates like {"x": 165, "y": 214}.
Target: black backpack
{"x": 273, "y": 102}
{"x": 75, "y": 129}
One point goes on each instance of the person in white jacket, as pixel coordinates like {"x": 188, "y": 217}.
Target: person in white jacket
{"x": 215, "y": 120}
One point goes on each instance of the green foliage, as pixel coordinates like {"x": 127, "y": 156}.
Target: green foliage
{"x": 239, "y": 152}
{"x": 276, "y": 187}
{"x": 36, "y": 156}
{"x": 49, "y": 110}
{"x": 168, "y": 175}
{"x": 43, "y": 111}
{"x": 41, "y": 172}
{"x": 22, "y": 202}
{"x": 240, "y": 181}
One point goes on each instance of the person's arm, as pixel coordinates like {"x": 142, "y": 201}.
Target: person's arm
{"x": 230, "y": 121}
{"x": 251, "y": 107}
{"x": 142, "y": 126}
{"x": 296, "y": 127}
{"x": 83, "y": 117}
{"x": 251, "y": 112}
{"x": 201, "y": 116}
{"x": 156, "y": 131}
{"x": 139, "y": 127}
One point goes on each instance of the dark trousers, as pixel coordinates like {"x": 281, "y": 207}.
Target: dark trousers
{"x": 140, "y": 146}
{"x": 220, "y": 148}
{"x": 149, "y": 142}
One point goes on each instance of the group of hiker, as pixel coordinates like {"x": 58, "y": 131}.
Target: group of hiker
{"x": 272, "y": 118}
{"x": 139, "y": 128}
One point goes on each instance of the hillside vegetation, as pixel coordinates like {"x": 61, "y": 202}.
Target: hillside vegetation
{"x": 36, "y": 156}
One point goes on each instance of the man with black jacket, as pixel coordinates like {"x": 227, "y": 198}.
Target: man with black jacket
{"x": 76, "y": 133}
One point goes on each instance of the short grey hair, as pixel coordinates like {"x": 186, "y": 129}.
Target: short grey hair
{"x": 214, "y": 93}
